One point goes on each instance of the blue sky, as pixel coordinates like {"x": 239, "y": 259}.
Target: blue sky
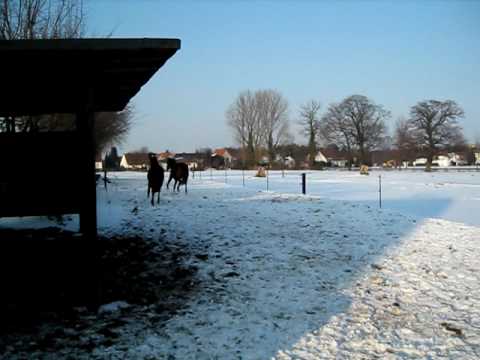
{"x": 395, "y": 52}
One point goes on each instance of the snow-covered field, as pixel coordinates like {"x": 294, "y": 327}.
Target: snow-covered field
{"x": 327, "y": 275}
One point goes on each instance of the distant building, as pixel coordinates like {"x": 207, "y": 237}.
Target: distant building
{"x": 320, "y": 158}
{"x": 420, "y": 161}
{"x": 165, "y": 155}
{"x": 332, "y": 157}
{"x": 288, "y": 161}
{"x": 441, "y": 161}
{"x": 135, "y": 161}
{"x": 98, "y": 162}
{"x": 457, "y": 159}
{"x": 221, "y": 158}
{"x": 195, "y": 161}
{"x": 449, "y": 159}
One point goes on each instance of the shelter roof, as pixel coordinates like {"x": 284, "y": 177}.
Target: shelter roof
{"x": 64, "y": 76}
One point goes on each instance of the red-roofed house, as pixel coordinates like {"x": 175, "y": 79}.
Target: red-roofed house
{"x": 221, "y": 158}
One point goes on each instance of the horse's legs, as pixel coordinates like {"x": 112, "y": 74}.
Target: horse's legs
{"x": 153, "y": 196}
{"x": 185, "y": 186}
{"x": 158, "y": 198}
{"x": 148, "y": 191}
{"x": 170, "y": 179}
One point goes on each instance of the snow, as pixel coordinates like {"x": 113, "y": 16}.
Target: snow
{"x": 326, "y": 275}
{"x": 113, "y": 307}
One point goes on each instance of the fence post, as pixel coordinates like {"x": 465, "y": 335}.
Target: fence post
{"x": 304, "y": 183}
{"x": 380, "y": 190}
{"x": 266, "y": 170}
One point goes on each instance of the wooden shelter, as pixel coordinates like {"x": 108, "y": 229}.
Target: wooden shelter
{"x": 80, "y": 76}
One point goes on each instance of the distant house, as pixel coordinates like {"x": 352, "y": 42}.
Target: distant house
{"x": 320, "y": 158}
{"x": 477, "y": 158}
{"x": 221, "y": 158}
{"x": 441, "y": 161}
{"x": 135, "y": 161}
{"x": 288, "y": 161}
{"x": 420, "y": 161}
{"x": 332, "y": 157}
{"x": 449, "y": 159}
{"x": 98, "y": 162}
{"x": 457, "y": 159}
{"x": 195, "y": 161}
{"x": 165, "y": 155}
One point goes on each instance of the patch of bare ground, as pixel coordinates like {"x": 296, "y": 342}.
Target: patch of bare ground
{"x": 49, "y": 278}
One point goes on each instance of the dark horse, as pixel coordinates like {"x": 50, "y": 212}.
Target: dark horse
{"x": 178, "y": 172}
{"x": 155, "y": 177}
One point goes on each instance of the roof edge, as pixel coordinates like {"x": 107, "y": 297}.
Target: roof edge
{"x": 90, "y": 44}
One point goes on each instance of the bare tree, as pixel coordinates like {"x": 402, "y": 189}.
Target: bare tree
{"x": 273, "y": 111}
{"x": 259, "y": 119}
{"x": 404, "y": 138}
{"x": 436, "y": 125}
{"x": 356, "y": 124}
{"x": 41, "y": 19}
{"x": 113, "y": 127}
{"x": 244, "y": 119}
{"x": 38, "y": 19}
{"x": 367, "y": 122}
{"x": 54, "y": 19}
{"x": 310, "y": 126}
{"x": 476, "y": 140}
{"x": 335, "y": 129}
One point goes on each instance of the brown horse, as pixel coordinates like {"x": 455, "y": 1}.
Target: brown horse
{"x": 178, "y": 172}
{"x": 155, "y": 177}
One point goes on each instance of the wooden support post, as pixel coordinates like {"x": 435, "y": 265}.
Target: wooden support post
{"x": 304, "y": 183}
{"x": 88, "y": 207}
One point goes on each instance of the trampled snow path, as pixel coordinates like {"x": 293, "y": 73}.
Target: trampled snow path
{"x": 301, "y": 277}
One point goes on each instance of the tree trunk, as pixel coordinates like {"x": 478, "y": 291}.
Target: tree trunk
{"x": 428, "y": 167}
{"x": 312, "y": 148}
{"x": 250, "y": 152}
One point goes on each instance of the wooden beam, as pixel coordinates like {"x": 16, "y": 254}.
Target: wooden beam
{"x": 88, "y": 207}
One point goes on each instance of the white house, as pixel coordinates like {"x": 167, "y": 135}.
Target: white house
{"x": 320, "y": 157}
{"x": 420, "y": 162}
{"x": 333, "y": 156}
{"x": 135, "y": 161}
{"x": 98, "y": 162}
{"x": 289, "y": 162}
{"x": 456, "y": 159}
{"x": 441, "y": 161}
